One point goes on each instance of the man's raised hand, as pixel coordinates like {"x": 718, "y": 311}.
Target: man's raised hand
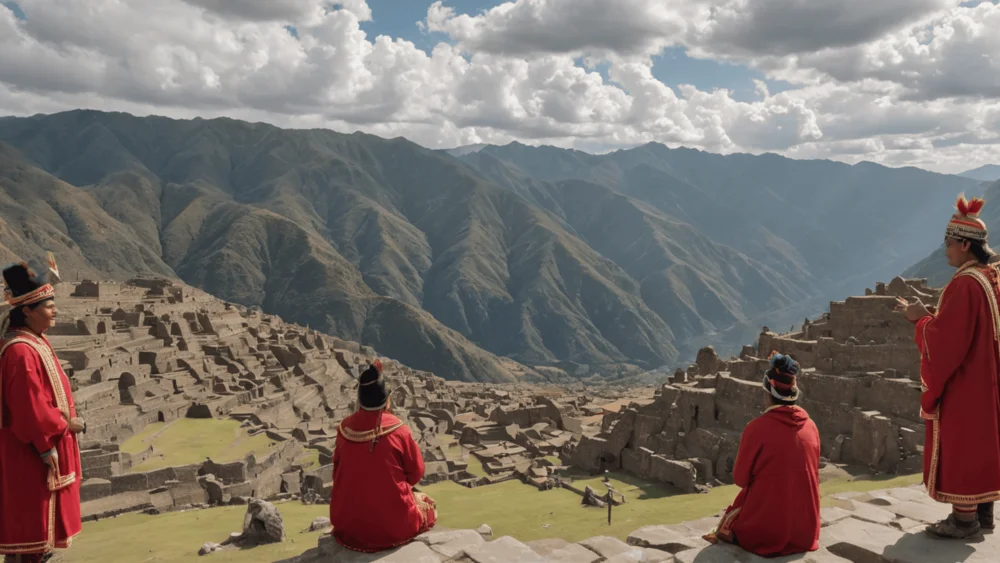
{"x": 913, "y": 311}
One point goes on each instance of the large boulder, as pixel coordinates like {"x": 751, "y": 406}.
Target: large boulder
{"x": 262, "y": 524}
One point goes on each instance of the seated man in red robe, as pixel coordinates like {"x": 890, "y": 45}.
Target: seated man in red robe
{"x": 960, "y": 379}
{"x": 376, "y": 464}
{"x": 40, "y": 470}
{"x": 777, "y": 466}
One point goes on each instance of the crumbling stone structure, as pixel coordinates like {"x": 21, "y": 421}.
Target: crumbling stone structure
{"x": 860, "y": 384}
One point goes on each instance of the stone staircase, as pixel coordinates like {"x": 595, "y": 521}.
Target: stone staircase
{"x": 877, "y": 527}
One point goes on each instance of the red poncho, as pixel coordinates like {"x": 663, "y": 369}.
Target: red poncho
{"x": 39, "y": 509}
{"x": 777, "y": 466}
{"x": 373, "y": 506}
{"x": 961, "y": 390}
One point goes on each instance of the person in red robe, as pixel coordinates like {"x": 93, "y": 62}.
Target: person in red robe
{"x": 376, "y": 464}
{"x": 777, "y": 467}
{"x": 960, "y": 379}
{"x": 40, "y": 469}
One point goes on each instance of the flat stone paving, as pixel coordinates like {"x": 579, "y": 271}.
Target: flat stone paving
{"x": 884, "y": 526}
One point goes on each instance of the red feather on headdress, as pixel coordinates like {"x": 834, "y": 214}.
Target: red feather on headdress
{"x": 970, "y": 208}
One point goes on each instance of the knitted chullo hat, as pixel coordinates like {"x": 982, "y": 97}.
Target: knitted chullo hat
{"x": 779, "y": 379}
{"x": 965, "y": 224}
{"x": 372, "y": 392}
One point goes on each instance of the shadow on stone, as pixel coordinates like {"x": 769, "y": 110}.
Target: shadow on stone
{"x": 915, "y": 547}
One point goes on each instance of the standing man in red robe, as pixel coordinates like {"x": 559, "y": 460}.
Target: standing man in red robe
{"x": 960, "y": 380}
{"x": 39, "y": 455}
{"x": 777, "y": 467}
{"x": 376, "y": 464}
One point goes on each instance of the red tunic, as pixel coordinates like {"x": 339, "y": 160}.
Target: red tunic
{"x": 34, "y": 394}
{"x": 778, "y": 460}
{"x": 373, "y": 506}
{"x": 961, "y": 394}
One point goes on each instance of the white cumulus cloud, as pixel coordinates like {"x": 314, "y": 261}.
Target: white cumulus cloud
{"x": 897, "y": 82}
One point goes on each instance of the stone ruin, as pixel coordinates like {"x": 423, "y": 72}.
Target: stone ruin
{"x": 860, "y": 384}
{"x": 151, "y": 351}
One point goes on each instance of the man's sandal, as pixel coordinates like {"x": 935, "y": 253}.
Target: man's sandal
{"x": 951, "y": 530}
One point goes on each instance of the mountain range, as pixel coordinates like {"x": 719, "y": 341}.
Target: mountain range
{"x": 487, "y": 263}
{"x": 935, "y": 267}
{"x": 985, "y": 173}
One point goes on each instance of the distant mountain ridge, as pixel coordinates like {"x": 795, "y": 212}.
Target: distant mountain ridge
{"x": 496, "y": 264}
{"x": 934, "y": 267}
{"x": 985, "y": 173}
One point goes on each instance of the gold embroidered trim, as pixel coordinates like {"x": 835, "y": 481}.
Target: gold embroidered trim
{"x": 51, "y": 369}
{"x": 966, "y": 269}
{"x": 991, "y": 297}
{"x": 38, "y": 546}
{"x": 727, "y": 523}
{"x": 425, "y": 505}
{"x": 933, "y": 419}
{"x": 40, "y": 294}
{"x": 366, "y": 436}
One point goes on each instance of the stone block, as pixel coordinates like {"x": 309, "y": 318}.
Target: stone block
{"x": 94, "y": 489}
{"x": 875, "y": 441}
{"x": 502, "y": 550}
{"x": 452, "y": 542}
{"x": 556, "y": 549}
{"x": 606, "y": 546}
{"x": 680, "y": 474}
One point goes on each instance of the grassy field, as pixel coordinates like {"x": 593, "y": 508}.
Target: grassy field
{"x": 176, "y": 537}
{"x": 187, "y": 440}
{"x": 510, "y": 508}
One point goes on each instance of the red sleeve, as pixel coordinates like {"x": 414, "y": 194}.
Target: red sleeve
{"x": 746, "y": 455}
{"x": 413, "y": 460}
{"x": 944, "y": 339}
{"x": 28, "y": 397}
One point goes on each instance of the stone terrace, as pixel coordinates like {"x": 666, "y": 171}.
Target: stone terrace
{"x": 153, "y": 350}
{"x": 878, "y": 527}
{"x": 860, "y": 384}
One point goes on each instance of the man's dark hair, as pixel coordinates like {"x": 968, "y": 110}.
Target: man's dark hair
{"x": 979, "y": 251}
{"x": 780, "y": 402}
{"x": 17, "y": 318}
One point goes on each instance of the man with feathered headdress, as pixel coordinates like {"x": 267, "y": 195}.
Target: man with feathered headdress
{"x": 777, "y": 469}
{"x": 40, "y": 468}
{"x": 960, "y": 379}
{"x": 376, "y": 464}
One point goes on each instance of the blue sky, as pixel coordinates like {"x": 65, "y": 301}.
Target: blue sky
{"x": 398, "y": 18}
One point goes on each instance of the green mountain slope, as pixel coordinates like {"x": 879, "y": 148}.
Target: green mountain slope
{"x": 829, "y": 227}
{"x": 484, "y": 267}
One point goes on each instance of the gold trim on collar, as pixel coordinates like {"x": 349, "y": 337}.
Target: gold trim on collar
{"x": 366, "y": 436}
{"x": 48, "y": 362}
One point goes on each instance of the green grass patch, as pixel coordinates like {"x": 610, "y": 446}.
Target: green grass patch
{"x": 176, "y": 537}
{"x": 136, "y": 444}
{"x": 308, "y": 460}
{"x": 510, "y": 508}
{"x": 188, "y": 440}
